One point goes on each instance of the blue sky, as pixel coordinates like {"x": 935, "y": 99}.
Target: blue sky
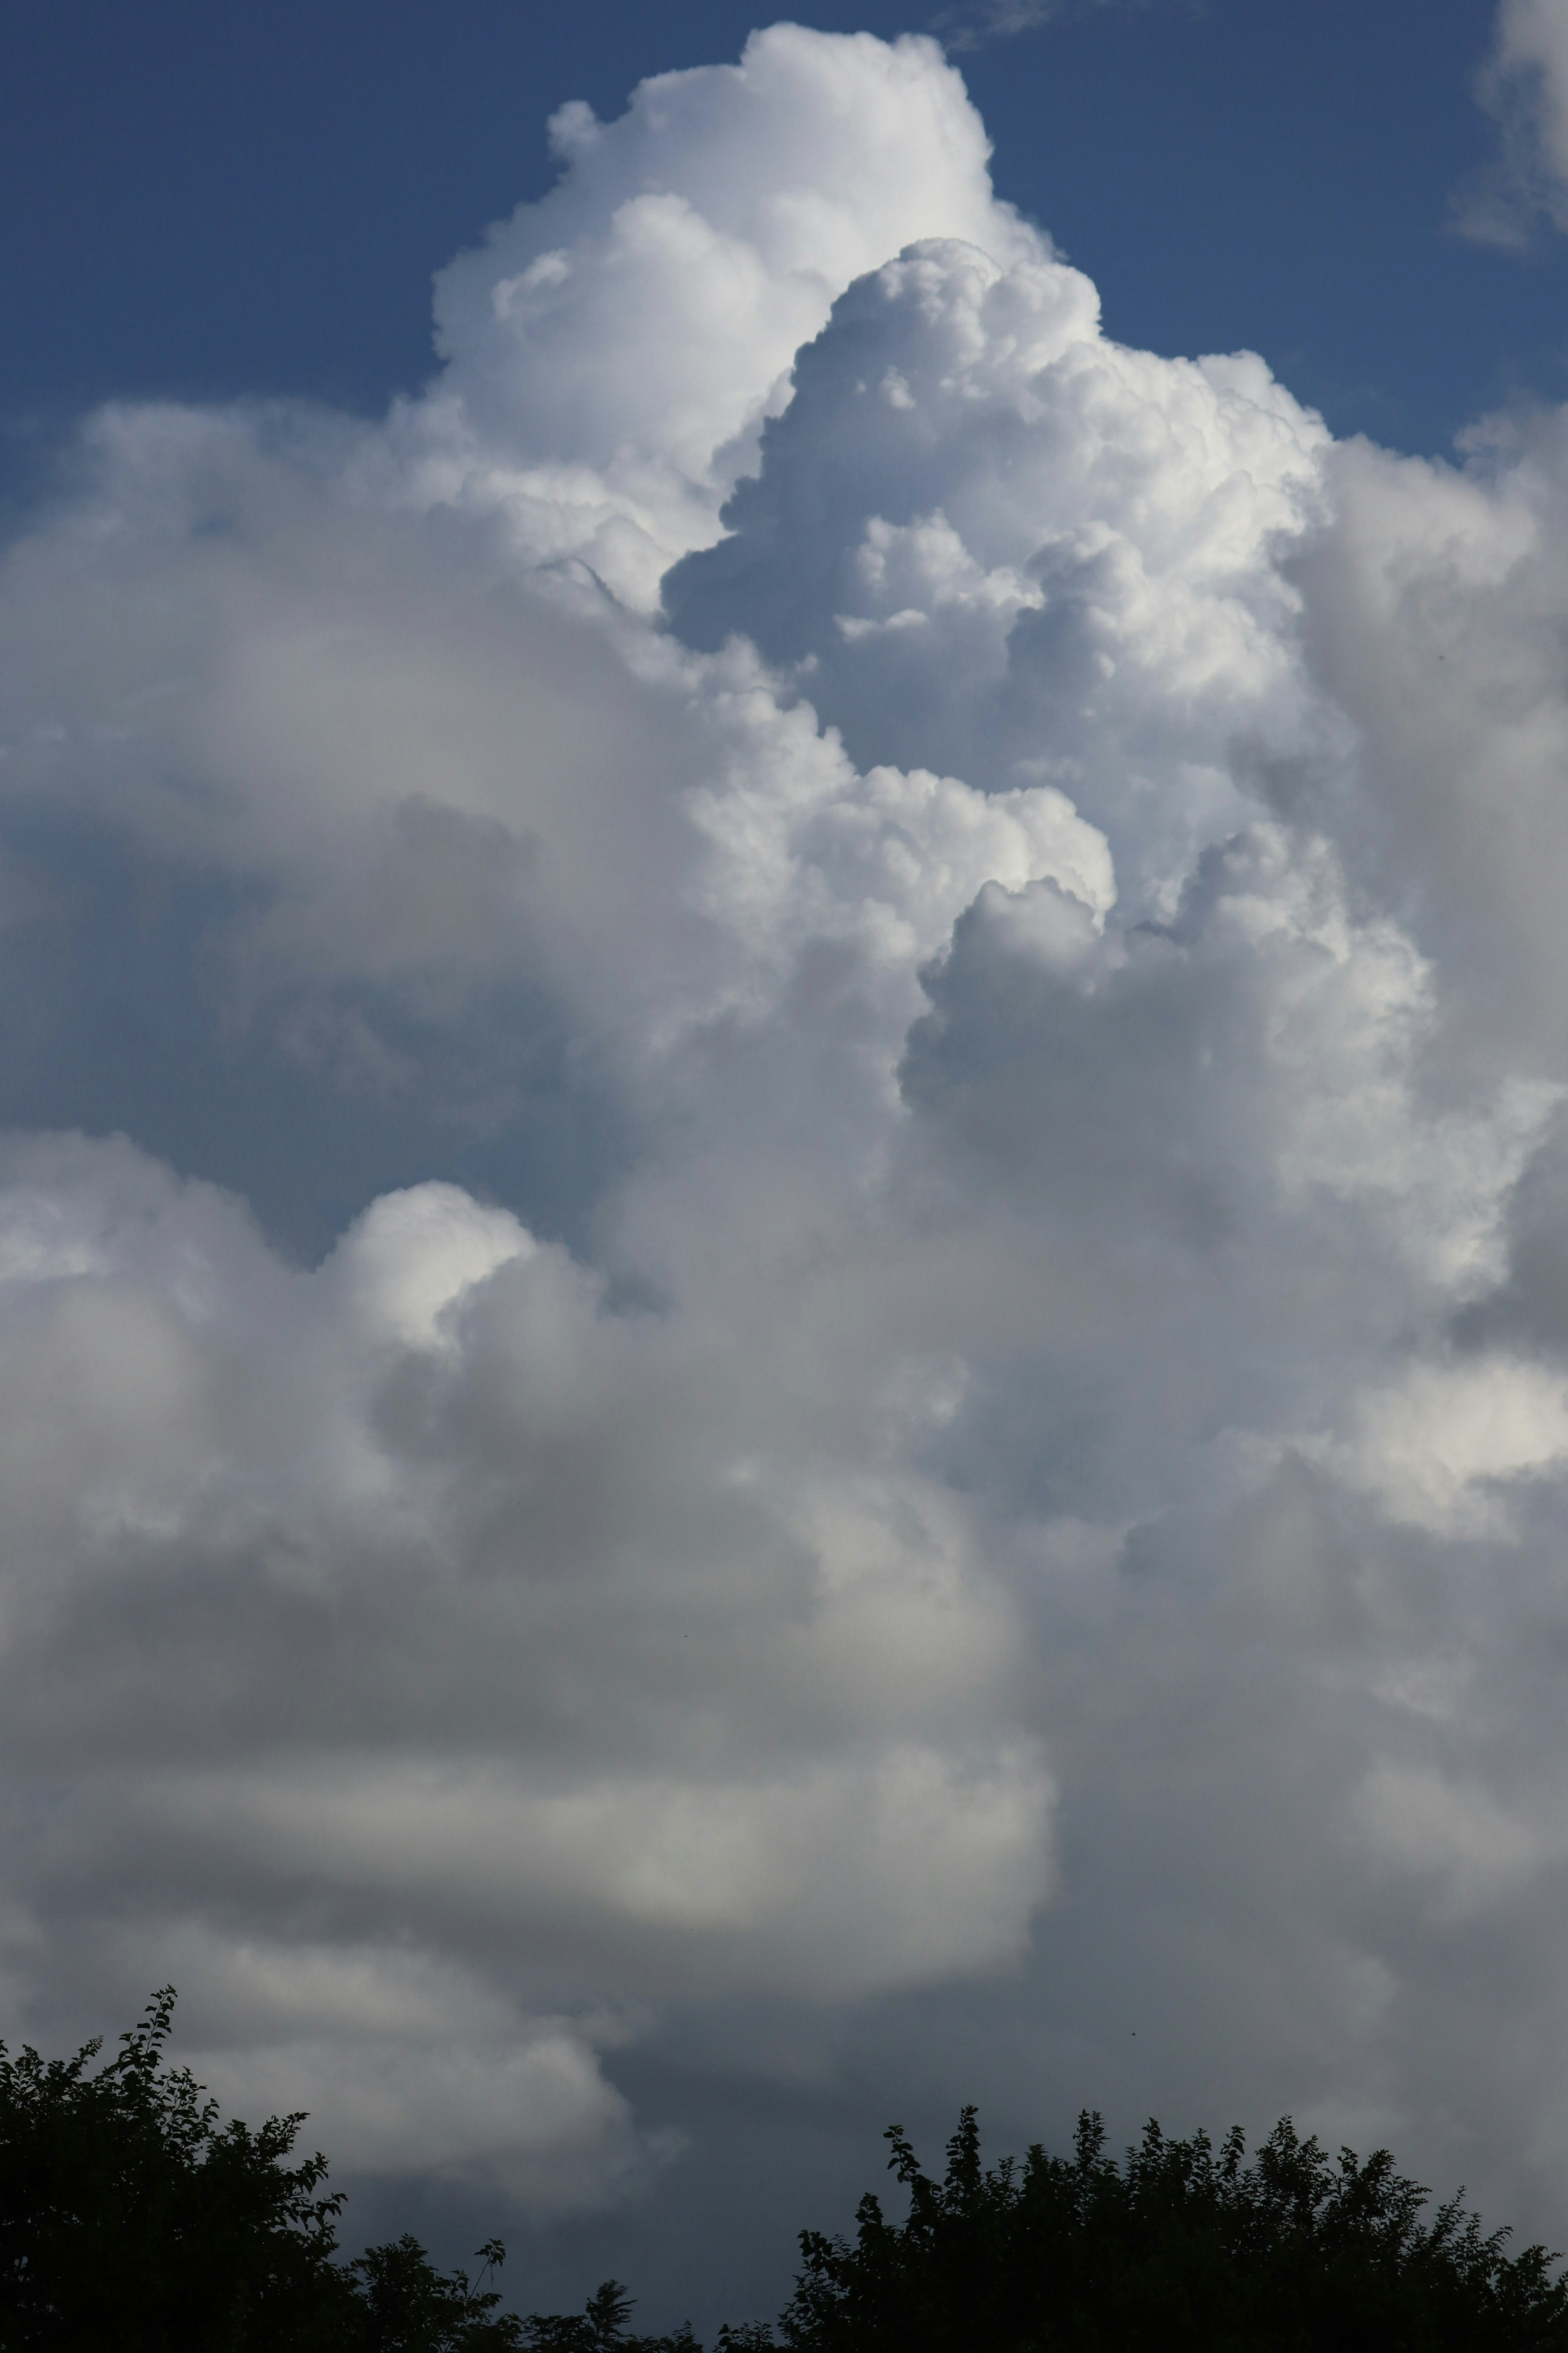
{"x": 784, "y": 1091}
{"x": 215, "y": 201}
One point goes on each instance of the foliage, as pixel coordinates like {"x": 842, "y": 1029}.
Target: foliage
{"x": 600, "y": 2327}
{"x": 402, "y": 2304}
{"x": 1181, "y": 2247}
{"x": 130, "y": 2217}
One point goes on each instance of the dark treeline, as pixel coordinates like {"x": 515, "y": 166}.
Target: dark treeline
{"x": 132, "y": 2218}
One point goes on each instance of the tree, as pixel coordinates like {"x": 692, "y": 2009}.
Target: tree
{"x": 601, "y": 2327}
{"x": 130, "y": 2218}
{"x": 1182, "y": 2249}
{"x": 406, "y": 2306}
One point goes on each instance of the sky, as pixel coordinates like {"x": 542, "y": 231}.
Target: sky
{"x": 783, "y": 1192}
{"x": 216, "y": 201}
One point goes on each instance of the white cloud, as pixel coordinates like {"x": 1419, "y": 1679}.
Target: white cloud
{"x": 389, "y": 2054}
{"x": 588, "y": 1637}
{"x": 612, "y": 350}
{"x": 791, "y": 1273}
{"x": 1523, "y": 85}
{"x": 1436, "y": 1447}
{"x": 1047, "y": 559}
{"x": 984, "y": 21}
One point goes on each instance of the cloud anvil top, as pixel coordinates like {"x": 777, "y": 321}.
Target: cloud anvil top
{"x": 782, "y": 1226}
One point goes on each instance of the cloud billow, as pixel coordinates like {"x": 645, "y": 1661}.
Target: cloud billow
{"x": 785, "y": 1130}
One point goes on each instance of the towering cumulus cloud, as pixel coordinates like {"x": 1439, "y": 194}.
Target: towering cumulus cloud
{"x": 783, "y": 1212}
{"x": 613, "y": 352}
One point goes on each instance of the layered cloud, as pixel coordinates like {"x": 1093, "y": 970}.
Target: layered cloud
{"x": 782, "y": 1224}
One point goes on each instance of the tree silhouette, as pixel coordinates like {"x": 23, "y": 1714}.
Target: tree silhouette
{"x": 131, "y": 2218}
{"x": 1181, "y": 2248}
{"x": 128, "y": 2218}
{"x": 600, "y": 2327}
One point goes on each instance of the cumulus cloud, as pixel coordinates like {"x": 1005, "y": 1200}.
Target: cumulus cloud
{"x": 611, "y": 351}
{"x": 983, "y": 537}
{"x": 781, "y": 1234}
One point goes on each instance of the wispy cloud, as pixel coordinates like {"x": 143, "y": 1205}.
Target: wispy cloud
{"x": 983, "y": 22}
{"x": 996, "y": 20}
{"x": 1523, "y": 86}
